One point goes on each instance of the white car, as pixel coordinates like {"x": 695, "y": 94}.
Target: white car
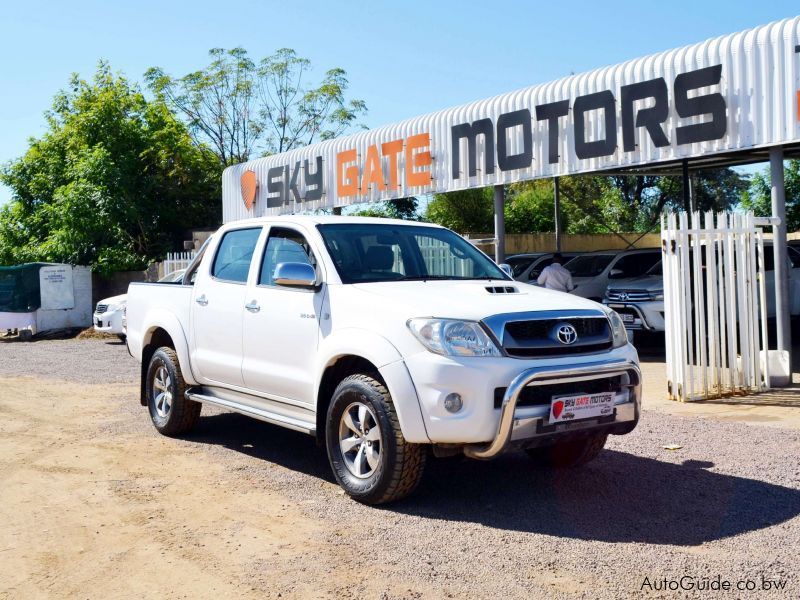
{"x": 592, "y": 272}
{"x": 383, "y": 339}
{"x": 109, "y": 314}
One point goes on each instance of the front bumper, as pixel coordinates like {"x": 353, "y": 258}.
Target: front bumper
{"x": 646, "y": 316}
{"x": 109, "y": 322}
{"x": 477, "y": 381}
{"x": 525, "y": 425}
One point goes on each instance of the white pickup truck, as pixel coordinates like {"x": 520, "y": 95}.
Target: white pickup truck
{"x": 387, "y": 340}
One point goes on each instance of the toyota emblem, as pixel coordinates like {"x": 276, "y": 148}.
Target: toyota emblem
{"x": 566, "y": 334}
{"x": 623, "y": 296}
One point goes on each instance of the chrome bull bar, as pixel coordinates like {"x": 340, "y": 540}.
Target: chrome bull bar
{"x": 548, "y": 376}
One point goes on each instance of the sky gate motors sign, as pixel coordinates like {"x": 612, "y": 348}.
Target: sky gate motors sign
{"x": 704, "y": 99}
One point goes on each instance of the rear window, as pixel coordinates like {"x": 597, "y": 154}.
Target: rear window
{"x": 235, "y": 252}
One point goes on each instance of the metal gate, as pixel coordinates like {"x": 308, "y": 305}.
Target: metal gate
{"x": 715, "y": 305}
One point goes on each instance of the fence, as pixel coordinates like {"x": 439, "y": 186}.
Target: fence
{"x": 715, "y": 305}
{"x": 175, "y": 261}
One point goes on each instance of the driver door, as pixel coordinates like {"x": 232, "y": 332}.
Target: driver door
{"x": 281, "y": 327}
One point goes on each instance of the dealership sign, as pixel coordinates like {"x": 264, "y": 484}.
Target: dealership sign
{"x": 736, "y": 92}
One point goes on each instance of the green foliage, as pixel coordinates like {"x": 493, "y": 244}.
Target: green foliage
{"x": 113, "y": 183}
{"x": 529, "y": 208}
{"x": 398, "y": 208}
{"x": 758, "y": 197}
{"x": 589, "y": 203}
{"x": 465, "y": 211}
{"x": 240, "y": 108}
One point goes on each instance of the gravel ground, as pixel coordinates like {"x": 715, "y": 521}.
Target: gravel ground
{"x": 725, "y": 505}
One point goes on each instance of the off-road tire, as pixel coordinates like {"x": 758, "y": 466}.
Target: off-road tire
{"x": 122, "y": 337}
{"x": 570, "y": 454}
{"x": 183, "y": 414}
{"x": 401, "y": 463}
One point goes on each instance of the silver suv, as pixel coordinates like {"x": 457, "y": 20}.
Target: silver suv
{"x": 593, "y": 272}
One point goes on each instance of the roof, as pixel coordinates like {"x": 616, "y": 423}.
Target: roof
{"x": 313, "y": 220}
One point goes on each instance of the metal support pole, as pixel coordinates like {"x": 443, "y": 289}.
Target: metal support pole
{"x": 499, "y": 224}
{"x": 782, "y": 318}
{"x": 557, "y": 203}
{"x": 688, "y": 196}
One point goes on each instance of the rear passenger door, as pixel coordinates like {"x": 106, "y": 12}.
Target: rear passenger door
{"x": 218, "y": 306}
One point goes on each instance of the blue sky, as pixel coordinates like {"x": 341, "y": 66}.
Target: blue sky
{"x": 403, "y": 58}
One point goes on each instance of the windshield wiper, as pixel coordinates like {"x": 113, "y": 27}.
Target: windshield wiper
{"x": 426, "y": 277}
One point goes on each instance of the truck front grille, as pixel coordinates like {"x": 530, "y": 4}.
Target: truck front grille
{"x": 539, "y": 337}
{"x": 541, "y": 395}
{"x": 628, "y": 295}
{"x": 101, "y": 308}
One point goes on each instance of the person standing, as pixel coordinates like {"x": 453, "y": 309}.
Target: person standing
{"x": 556, "y": 277}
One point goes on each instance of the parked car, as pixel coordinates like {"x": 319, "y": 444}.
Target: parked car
{"x": 592, "y": 272}
{"x": 383, "y": 339}
{"x": 640, "y": 301}
{"x": 528, "y": 267}
{"x": 109, "y": 313}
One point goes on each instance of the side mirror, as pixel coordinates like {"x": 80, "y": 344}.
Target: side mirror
{"x": 616, "y": 273}
{"x": 506, "y": 268}
{"x": 299, "y": 275}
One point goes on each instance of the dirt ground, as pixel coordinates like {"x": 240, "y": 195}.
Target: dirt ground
{"x": 94, "y": 504}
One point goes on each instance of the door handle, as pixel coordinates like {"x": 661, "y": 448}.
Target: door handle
{"x": 202, "y": 300}
{"x": 252, "y": 306}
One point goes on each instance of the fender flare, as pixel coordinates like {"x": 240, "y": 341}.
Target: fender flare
{"x": 163, "y": 319}
{"x": 387, "y": 359}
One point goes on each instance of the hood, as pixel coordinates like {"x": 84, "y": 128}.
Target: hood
{"x": 469, "y": 300}
{"x": 644, "y": 283}
{"x": 121, "y": 299}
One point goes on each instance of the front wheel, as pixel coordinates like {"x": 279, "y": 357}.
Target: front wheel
{"x": 172, "y": 414}
{"x": 573, "y": 453}
{"x": 368, "y": 454}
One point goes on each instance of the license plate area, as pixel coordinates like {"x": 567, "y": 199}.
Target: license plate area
{"x": 626, "y": 318}
{"x": 576, "y": 407}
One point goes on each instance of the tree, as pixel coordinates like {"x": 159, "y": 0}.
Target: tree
{"x": 396, "y": 208}
{"x": 589, "y": 203}
{"x": 465, "y": 211}
{"x": 240, "y": 108}
{"x": 758, "y": 197}
{"x": 113, "y": 183}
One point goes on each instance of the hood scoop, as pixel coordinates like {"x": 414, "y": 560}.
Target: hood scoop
{"x": 502, "y": 289}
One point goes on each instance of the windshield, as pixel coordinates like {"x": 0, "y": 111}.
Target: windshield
{"x": 655, "y": 269}
{"x": 370, "y": 252}
{"x": 588, "y": 265}
{"x": 518, "y": 264}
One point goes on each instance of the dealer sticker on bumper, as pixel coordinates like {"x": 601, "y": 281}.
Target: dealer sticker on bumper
{"x": 581, "y": 406}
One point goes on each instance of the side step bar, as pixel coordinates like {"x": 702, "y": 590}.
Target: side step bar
{"x": 256, "y": 413}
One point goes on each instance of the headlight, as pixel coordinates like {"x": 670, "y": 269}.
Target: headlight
{"x": 657, "y": 295}
{"x": 618, "y": 333}
{"x": 453, "y": 338}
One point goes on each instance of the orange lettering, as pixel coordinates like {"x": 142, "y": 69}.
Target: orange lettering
{"x": 392, "y": 149}
{"x": 347, "y": 179}
{"x": 417, "y": 159}
{"x": 372, "y": 171}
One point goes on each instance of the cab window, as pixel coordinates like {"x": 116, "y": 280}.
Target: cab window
{"x": 232, "y": 262}
{"x": 284, "y": 246}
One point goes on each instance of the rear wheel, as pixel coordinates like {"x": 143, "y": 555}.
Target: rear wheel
{"x": 368, "y": 454}
{"x": 172, "y": 414}
{"x": 573, "y": 453}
